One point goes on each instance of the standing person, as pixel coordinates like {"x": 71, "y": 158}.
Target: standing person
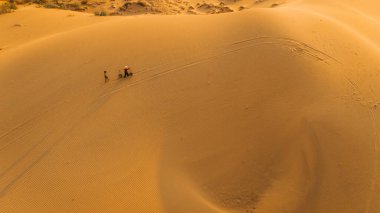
{"x": 126, "y": 73}
{"x": 105, "y": 77}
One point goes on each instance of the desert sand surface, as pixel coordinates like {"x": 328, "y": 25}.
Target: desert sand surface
{"x": 270, "y": 109}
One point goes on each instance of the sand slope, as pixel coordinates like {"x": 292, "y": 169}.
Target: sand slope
{"x": 265, "y": 110}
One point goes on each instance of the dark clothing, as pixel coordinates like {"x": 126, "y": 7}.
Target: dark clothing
{"x": 106, "y": 77}
{"x": 126, "y": 74}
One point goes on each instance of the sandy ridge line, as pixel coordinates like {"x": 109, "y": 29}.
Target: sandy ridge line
{"x": 375, "y": 126}
{"x": 287, "y": 42}
{"x": 376, "y": 178}
{"x": 317, "y": 162}
{"x": 50, "y": 36}
{"x": 340, "y": 24}
{"x": 364, "y": 15}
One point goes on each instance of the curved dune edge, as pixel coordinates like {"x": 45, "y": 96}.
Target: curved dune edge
{"x": 279, "y": 112}
{"x": 155, "y": 7}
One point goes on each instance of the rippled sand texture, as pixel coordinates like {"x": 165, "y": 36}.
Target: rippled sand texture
{"x": 271, "y": 109}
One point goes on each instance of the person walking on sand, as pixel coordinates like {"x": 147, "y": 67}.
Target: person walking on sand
{"x": 106, "y": 79}
{"x": 126, "y": 73}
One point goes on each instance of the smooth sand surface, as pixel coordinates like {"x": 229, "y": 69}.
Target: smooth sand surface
{"x": 263, "y": 110}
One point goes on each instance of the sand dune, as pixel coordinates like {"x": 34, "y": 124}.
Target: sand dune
{"x": 161, "y": 7}
{"x": 271, "y": 109}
